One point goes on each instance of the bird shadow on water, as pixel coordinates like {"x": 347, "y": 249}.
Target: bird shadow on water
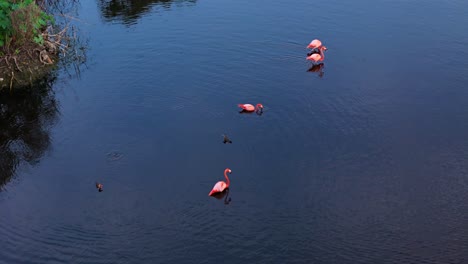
{"x": 224, "y": 195}
{"x": 317, "y": 68}
{"x": 258, "y": 112}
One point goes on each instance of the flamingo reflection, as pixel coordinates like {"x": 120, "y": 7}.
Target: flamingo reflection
{"x": 221, "y": 195}
{"x": 317, "y": 68}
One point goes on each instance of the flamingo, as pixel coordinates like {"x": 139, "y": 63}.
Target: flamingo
{"x": 314, "y": 44}
{"x": 251, "y": 108}
{"x": 318, "y": 56}
{"x": 221, "y": 186}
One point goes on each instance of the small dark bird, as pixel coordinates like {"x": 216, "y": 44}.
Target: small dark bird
{"x": 226, "y": 140}
{"x": 99, "y": 186}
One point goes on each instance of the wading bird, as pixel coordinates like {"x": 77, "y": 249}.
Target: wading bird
{"x": 226, "y": 139}
{"x": 99, "y": 186}
{"x": 221, "y": 186}
{"x": 314, "y": 44}
{"x": 318, "y": 56}
{"x": 251, "y": 108}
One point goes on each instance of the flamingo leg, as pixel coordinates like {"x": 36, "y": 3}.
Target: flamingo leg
{"x": 226, "y": 200}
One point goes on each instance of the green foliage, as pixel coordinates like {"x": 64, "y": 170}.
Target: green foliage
{"x": 5, "y": 24}
{"x": 22, "y": 20}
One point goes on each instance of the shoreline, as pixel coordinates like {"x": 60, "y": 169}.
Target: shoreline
{"x": 27, "y": 57}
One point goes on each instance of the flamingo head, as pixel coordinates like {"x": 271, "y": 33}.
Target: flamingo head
{"x": 228, "y": 170}
{"x": 324, "y": 48}
{"x": 260, "y": 106}
{"x": 314, "y": 44}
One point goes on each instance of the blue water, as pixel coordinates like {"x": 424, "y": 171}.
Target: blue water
{"x": 363, "y": 162}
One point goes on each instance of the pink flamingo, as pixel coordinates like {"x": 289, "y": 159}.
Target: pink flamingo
{"x": 314, "y": 44}
{"x": 251, "y": 108}
{"x": 318, "y": 56}
{"x": 221, "y": 186}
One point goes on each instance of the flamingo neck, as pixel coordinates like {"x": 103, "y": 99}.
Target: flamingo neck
{"x": 322, "y": 54}
{"x": 227, "y": 178}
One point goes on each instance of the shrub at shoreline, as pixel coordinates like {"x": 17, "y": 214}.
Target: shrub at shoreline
{"x": 30, "y": 42}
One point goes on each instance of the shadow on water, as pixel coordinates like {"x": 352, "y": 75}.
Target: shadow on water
{"x": 317, "y": 68}
{"x": 128, "y": 11}
{"x": 27, "y": 113}
{"x": 257, "y": 112}
{"x": 224, "y": 195}
{"x": 26, "y": 116}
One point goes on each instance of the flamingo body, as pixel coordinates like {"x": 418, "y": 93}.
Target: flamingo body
{"x": 314, "y": 44}
{"x": 218, "y": 188}
{"x": 318, "y": 56}
{"x": 315, "y": 57}
{"x": 250, "y": 108}
{"x": 221, "y": 186}
{"x": 247, "y": 107}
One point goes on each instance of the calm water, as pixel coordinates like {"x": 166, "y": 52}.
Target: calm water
{"x": 365, "y": 162}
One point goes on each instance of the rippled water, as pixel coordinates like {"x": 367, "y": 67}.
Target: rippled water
{"x": 365, "y": 162}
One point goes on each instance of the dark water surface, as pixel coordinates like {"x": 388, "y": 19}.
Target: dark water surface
{"x": 365, "y": 163}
